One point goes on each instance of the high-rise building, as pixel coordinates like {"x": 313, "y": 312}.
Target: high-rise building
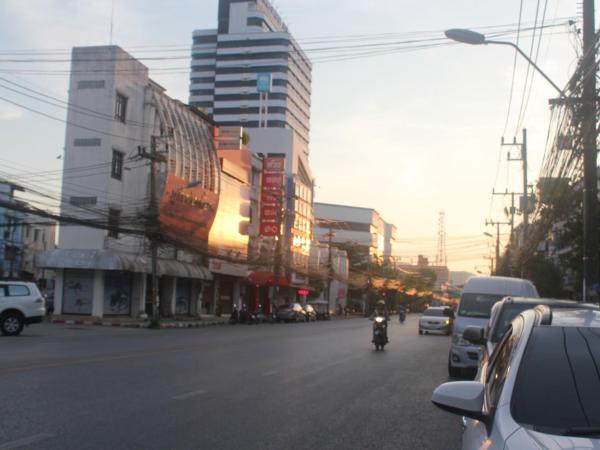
{"x": 250, "y": 72}
{"x": 251, "y": 43}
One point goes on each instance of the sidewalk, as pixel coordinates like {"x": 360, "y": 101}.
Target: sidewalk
{"x": 130, "y": 322}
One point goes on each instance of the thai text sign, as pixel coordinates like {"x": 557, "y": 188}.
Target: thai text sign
{"x": 272, "y": 195}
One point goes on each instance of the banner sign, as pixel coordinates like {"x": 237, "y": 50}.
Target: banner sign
{"x": 274, "y": 164}
{"x": 272, "y": 180}
{"x": 187, "y": 210}
{"x": 269, "y": 229}
{"x": 272, "y": 195}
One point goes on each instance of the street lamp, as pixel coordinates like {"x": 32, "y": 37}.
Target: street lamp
{"x": 590, "y": 175}
{"x": 473, "y": 38}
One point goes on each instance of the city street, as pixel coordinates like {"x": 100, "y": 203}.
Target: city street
{"x": 284, "y": 386}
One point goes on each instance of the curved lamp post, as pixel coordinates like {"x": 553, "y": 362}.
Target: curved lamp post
{"x": 473, "y": 38}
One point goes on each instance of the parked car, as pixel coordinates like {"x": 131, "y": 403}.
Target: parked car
{"x": 309, "y": 312}
{"x": 322, "y": 309}
{"x": 478, "y": 296}
{"x": 21, "y": 303}
{"x": 290, "y": 312}
{"x": 436, "y": 319}
{"x": 503, "y": 313}
{"x": 540, "y": 387}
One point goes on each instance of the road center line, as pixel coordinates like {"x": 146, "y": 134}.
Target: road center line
{"x": 187, "y": 395}
{"x": 25, "y": 441}
{"x": 270, "y": 373}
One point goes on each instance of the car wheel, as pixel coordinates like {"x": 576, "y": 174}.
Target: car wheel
{"x": 420, "y": 331}
{"x": 11, "y": 324}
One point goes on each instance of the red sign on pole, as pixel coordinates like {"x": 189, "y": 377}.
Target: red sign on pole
{"x": 269, "y": 213}
{"x": 274, "y": 164}
{"x": 272, "y": 180}
{"x": 271, "y": 196}
{"x": 269, "y": 229}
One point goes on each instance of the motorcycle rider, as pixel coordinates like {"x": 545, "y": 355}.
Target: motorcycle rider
{"x": 234, "y": 317}
{"x": 402, "y": 314}
{"x": 381, "y": 311}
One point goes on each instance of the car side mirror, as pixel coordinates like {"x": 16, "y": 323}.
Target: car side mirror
{"x": 464, "y": 398}
{"x": 475, "y": 335}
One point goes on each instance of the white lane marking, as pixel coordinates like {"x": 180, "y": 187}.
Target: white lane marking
{"x": 187, "y": 395}
{"x": 270, "y": 373}
{"x": 25, "y": 441}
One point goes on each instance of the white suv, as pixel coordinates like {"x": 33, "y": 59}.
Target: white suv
{"x": 20, "y": 304}
{"x": 540, "y": 387}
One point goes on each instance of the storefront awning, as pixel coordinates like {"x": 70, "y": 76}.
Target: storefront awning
{"x": 266, "y": 279}
{"x": 110, "y": 260}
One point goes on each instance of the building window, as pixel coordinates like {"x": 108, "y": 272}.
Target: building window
{"x": 36, "y": 235}
{"x": 116, "y": 170}
{"x": 114, "y": 216}
{"x": 120, "y": 108}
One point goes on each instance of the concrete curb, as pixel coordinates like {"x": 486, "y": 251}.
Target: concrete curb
{"x": 145, "y": 324}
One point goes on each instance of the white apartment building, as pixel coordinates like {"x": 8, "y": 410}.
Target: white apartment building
{"x": 118, "y": 117}
{"x": 251, "y": 41}
{"x": 362, "y": 227}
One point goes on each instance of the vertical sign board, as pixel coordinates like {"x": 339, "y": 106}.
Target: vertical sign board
{"x": 272, "y": 195}
{"x": 263, "y": 82}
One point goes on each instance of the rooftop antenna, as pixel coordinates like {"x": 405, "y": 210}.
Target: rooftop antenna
{"x": 112, "y": 16}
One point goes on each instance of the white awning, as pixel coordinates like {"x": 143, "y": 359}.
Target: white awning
{"x": 110, "y": 260}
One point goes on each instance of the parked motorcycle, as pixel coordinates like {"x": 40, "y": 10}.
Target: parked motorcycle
{"x": 380, "y": 332}
{"x": 247, "y": 317}
{"x": 235, "y": 316}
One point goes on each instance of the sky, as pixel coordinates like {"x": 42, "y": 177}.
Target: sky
{"x": 408, "y": 134}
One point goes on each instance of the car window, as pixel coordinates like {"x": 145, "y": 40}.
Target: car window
{"x": 557, "y": 388}
{"x": 2, "y": 290}
{"x": 434, "y": 312}
{"x": 477, "y": 305}
{"x": 508, "y": 313}
{"x": 17, "y": 290}
{"x": 500, "y": 363}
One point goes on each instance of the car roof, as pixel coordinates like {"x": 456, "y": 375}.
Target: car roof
{"x": 575, "y": 318}
{"x": 500, "y": 286}
{"x": 565, "y": 317}
{"x": 552, "y": 302}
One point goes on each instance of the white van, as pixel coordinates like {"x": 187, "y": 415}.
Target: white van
{"x": 478, "y": 296}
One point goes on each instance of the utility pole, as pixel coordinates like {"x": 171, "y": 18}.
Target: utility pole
{"x": 525, "y": 205}
{"x": 497, "y": 225}
{"x": 510, "y": 213}
{"x": 330, "y": 236}
{"x": 153, "y": 223}
{"x": 590, "y": 174}
{"x": 281, "y": 214}
{"x": 523, "y": 158}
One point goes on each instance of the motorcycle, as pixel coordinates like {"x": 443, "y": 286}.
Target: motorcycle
{"x": 234, "y": 317}
{"x": 402, "y": 316}
{"x": 380, "y": 332}
{"x": 247, "y": 317}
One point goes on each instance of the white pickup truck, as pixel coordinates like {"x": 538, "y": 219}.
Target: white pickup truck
{"x": 20, "y": 304}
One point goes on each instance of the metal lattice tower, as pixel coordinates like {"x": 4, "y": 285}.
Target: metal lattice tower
{"x": 441, "y": 257}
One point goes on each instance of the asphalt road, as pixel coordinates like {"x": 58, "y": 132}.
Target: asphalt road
{"x": 285, "y": 386}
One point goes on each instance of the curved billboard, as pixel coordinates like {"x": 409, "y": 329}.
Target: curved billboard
{"x": 190, "y": 180}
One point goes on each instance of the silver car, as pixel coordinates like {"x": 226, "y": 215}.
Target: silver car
{"x": 437, "y": 319}
{"x": 539, "y": 389}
